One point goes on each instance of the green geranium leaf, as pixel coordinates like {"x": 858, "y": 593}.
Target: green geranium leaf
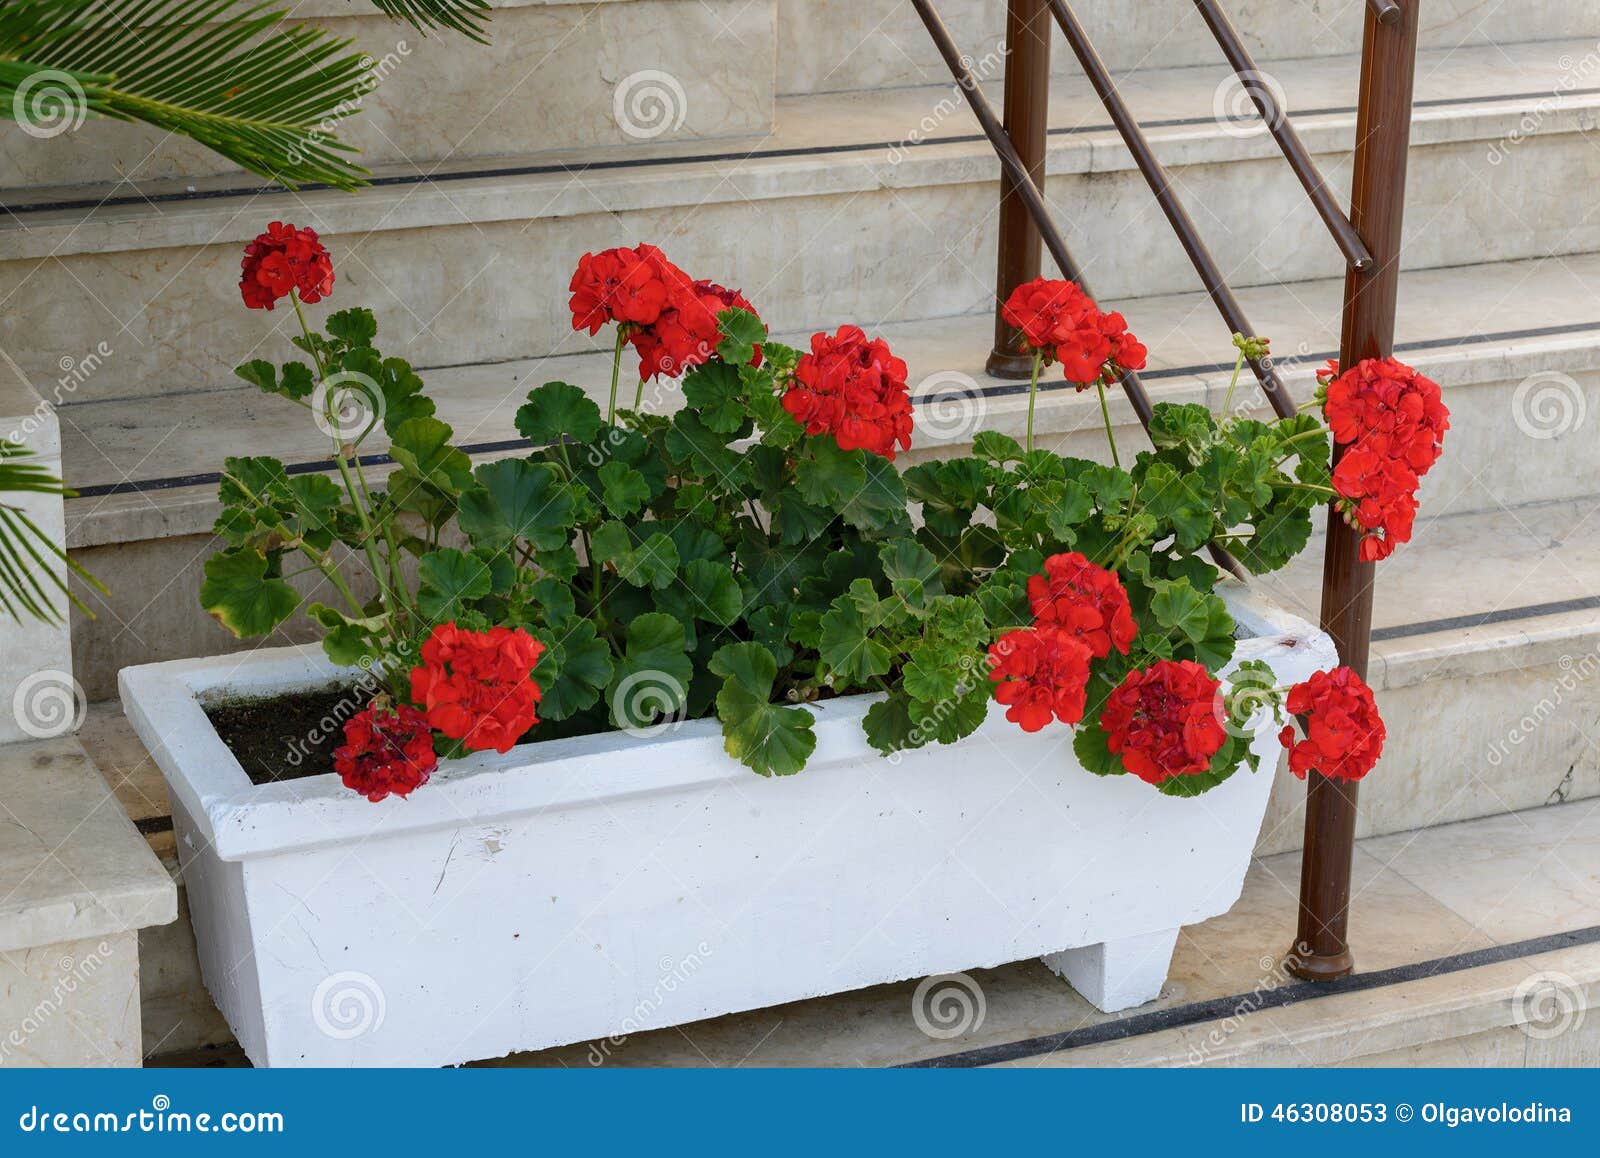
{"x": 714, "y": 389}
{"x": 1199, "y": 619}
{"x": 888, "y": 725}
{"x": 652, "y": 563}
{"x": 848, "y": 644}
{"x": 623, "y": 489}
{"x": 768, "y": 739}
{"x": 448, "y": 580}
{"x": 996, "y": 448}
{"x": 879, "y": 505}
{"x": 714, "y": 592}
{"x": 241, "y": 594}
{"x": 828, "y": 477}
{"x": 652, "y": 679}
{"x": 1089, "y": 745}
{"x": 517, "y": 501}
{"x": 348, "y": 641}
{"x": 574, "y": 669}
{"x": 422, "y": 447}
{"x": 912, "y": 571}
{"x": 557, "y": 410}
{"x": 742, "y": 332}
{"x": 353, "y": 327}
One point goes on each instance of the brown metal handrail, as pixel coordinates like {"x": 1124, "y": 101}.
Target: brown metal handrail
{"x": 1278, "y": 124}
{"x": 1369, "y": 238}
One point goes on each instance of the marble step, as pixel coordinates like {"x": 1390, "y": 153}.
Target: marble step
{"x": 553, "y": 76}
{"x": 1514, "y": 368}
{"x": 837, "y": 216}
{"x": 831, "y": 45}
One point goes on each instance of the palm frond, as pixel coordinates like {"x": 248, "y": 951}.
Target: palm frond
{"x": 225, "y": 73}
{"x": 33, "y": 566}
{"x": 467, "y": 17}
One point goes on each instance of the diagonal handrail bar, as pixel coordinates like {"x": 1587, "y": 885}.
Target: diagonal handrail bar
{"x": 1155, "y": 176}
{"x": 1132, "y": 386}
{"x": 1283, "y": 131}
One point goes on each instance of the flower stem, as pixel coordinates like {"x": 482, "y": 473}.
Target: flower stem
{"x": 1105, "y": 416}
{"x": 1033, "y": 390}
{"x": 1227, "y": 399}
{"x": 616, "y": 370}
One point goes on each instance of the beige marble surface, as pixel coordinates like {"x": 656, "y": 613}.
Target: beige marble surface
{"x": 546, "y": 79}
{"x": 463, "y": 271}
{"x": 72, "y": 867}
{"x": 840, "y": 44}
{"x": 71, "y": 1004}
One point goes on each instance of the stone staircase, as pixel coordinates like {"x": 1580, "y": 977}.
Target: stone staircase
{"x": 815, "y": 155}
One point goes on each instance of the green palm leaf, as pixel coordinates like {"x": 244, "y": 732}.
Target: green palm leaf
{"x": 30, "y": 571}
{"x": 464, "y": 16}
{"x": 230, "y": 76}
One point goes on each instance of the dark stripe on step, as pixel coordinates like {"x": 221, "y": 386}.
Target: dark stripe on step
{"x": 1503, "y": 615}
{"x": 211, "y": 478}
{"x": 711, "y": 158}
{"x": 1219, "y": 1008}
{"x": 151, "y": 825}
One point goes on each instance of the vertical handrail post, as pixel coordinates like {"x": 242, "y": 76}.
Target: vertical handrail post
{"x": 1027, "y": 114}
{"x": 1377, "y": 205}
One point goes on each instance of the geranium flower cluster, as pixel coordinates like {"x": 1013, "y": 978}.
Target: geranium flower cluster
{"x": 669, "y": 318}
{"x": 1063, "y": 323}
{"x": 1391, "y": 421}
{"x": 475, "y": 687}
{"x": 853, "y": 388}
{"x": 1081, "y": 612}
{"x": 1162, "y": 721}
{"x": 1344, "y": 734}
{"x": 285, "y": 260}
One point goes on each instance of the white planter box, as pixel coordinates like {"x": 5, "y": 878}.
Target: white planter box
{"x": 579, "y": 889}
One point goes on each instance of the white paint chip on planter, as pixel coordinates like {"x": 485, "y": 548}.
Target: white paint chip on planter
{"x": 579, "y": 889}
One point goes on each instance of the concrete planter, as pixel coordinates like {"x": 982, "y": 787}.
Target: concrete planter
{"x": 585, "y": 888}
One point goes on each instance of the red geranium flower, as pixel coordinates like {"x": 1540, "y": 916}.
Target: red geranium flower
{"x": 477, "y": 686}
{"x": 688, "y": 331}
{"x": 1058, "y": 318}
{"x": 386, "y": 751}
{"x": 1383, "y": 398}
{"x": 1378, "y": 496}
{"x": 282, "y": 260}
{"x": 1162, "y": 721}
{"x": 1042, "y": 673}
{"x": 1086, "y": 600}
{"x": 628, "y": 286}
{"x": 853, "y": 389}
{"x": 1344, "y": 734}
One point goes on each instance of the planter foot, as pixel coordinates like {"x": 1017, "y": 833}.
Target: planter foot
{"x": 1119, "y": 974}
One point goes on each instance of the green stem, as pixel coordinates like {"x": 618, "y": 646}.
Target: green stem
{"x": 1105, "y": 416}
{"x": 380, "y": 574}
{"x": 1238, "y": 365}
{"x": 616, "y": 371}
{"x": 1033, "y": 390}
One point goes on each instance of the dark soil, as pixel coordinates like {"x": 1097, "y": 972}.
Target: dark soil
{"x": 285, "y": 737}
